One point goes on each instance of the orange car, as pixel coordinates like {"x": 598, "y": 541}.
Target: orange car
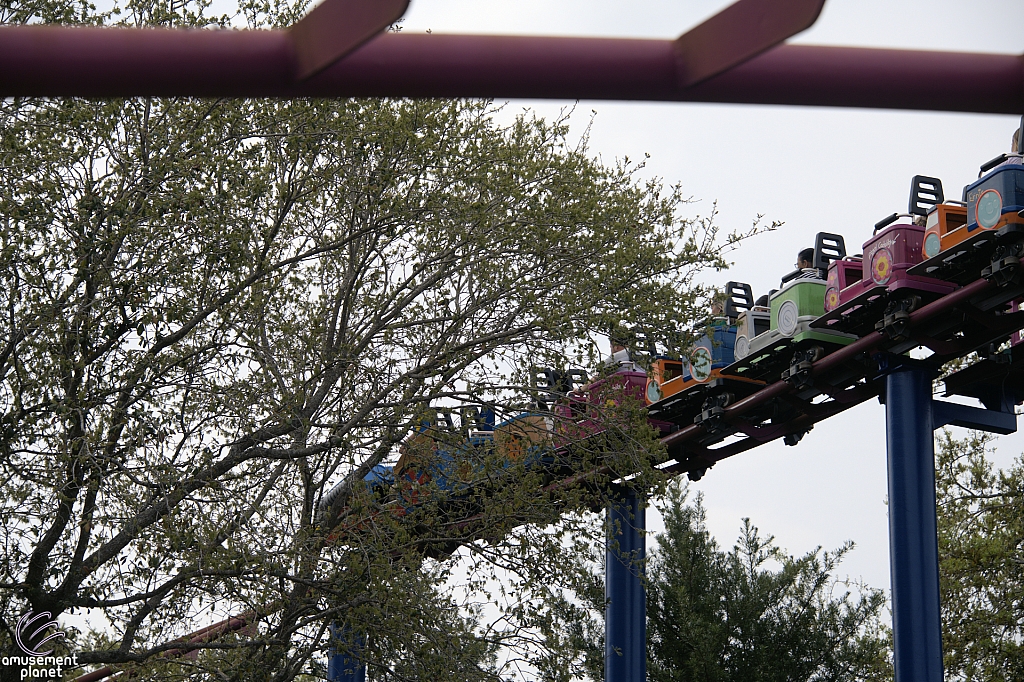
{"x": 946, "y": 227}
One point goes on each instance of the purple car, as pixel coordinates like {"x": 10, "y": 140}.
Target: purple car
{"x": 859, "y": 284}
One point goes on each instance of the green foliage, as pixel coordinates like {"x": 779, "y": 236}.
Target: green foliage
{"x": 750, "y": 613}
{"x": 981, "y": 566}
{"x": 215, "y": 311}
{"x": 754, "y": 613}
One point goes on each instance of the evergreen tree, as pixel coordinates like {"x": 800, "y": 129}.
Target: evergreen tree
{"x": 754, "y": 614}
{"x": 750, "y": 614}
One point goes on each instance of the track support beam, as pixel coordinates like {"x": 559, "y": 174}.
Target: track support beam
{"x": 341, "y": 666}
{"x": 913, "y": 545}
{"x": 625, "y": 616}
{"x": 911, "y": 416}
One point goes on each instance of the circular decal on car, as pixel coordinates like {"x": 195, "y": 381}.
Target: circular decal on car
{"x": 989, "y": 209}
{"x": 881, "y": 266}
{"x": 700, "y": 364}
{"x": 742, "y": 347}
{"x": 788, "y": 318}
{"x": 831, "y": 298}
{"x": 653, "y": 391}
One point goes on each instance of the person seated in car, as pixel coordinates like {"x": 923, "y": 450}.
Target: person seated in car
{"x": 620, "y": 359}
{"x": 805, "y": 259}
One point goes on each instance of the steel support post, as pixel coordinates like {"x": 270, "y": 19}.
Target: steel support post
{"x": 913, "y": 546}
{"x": 625, "y": 616}
{"x": 341, "y": 666}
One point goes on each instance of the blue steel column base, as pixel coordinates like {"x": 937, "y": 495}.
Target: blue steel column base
{"x": 625, "y": 616}
{"x": 913, "y": 544}
{"x": 341, "y": 667}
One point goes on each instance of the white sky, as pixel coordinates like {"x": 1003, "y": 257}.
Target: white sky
{"x": 838, "y": 170}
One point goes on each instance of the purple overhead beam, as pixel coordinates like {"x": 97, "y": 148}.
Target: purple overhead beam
{"x": 109, "y": 62}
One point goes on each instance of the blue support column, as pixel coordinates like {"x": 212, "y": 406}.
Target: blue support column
{"x": 341, "y": 667}
{"x": 913, "y": 546}
{"x": 625, "y": 616}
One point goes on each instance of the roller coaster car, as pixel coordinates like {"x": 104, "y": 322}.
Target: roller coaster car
{"x": 678, "y": 390}
{"x": 524, "y": 438}
{"x": 790, "y": 339}
{"x": 380, "y": 481}
{"x": 750, "y": 324}
{"x": 437, "y": 454}
{"x": 875, "y": 292}
{"x": 588, "y": 411}
{"x": 946, "y": 227}
{"x": 991, "y": 242}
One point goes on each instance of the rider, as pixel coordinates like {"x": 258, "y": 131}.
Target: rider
{"x": 805, "y": 259}
{"x": 620, "y": 359}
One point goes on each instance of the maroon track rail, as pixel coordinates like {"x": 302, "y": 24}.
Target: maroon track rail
{"x": 114, "y": 62}
{"x": 190, "y": 640}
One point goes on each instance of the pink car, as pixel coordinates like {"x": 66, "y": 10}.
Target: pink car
{"x": 858, "y": 288}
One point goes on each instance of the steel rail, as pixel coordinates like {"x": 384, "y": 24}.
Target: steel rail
{"x": 120, "y": 62}
{"x": 708, "y": 457}
{"x": 198, "y": 637}
{"x": 778, "y": 389}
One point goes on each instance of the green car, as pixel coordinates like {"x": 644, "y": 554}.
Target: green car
{"x": 792, "y": 309}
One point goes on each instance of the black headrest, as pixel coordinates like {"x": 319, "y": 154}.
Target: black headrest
{"x": 827, "y": 248}
{"x": 925, "y": 192}
{"x": 739, "y": 297}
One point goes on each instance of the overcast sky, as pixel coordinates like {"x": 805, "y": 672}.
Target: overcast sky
{"x": 816, "y": 169}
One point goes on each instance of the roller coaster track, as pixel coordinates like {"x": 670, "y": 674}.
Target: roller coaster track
{"x": 734, "y": 57}
{"x": 959, "y": 323}
{"x": 845, "y": 377}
